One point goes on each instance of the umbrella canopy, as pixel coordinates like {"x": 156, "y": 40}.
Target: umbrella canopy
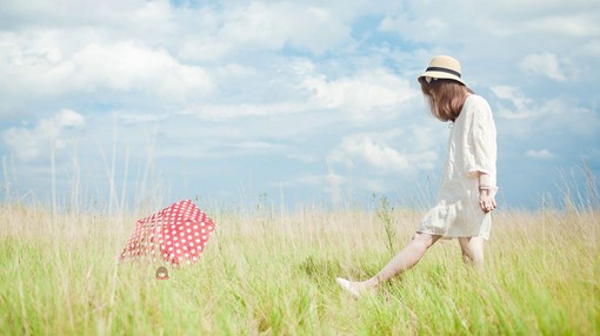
{"x": 177, "y": 234}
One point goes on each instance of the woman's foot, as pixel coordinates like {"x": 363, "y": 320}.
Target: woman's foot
{"x": 348, "y": 286}
{"x": 356, "y": 289}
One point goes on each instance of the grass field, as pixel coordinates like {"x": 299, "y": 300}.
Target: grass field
{"x": 273, "y": 273}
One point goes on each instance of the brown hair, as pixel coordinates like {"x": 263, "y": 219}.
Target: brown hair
{"x": 450, "y": 97}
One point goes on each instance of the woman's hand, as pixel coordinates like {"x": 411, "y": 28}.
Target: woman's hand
{"x": 487, "y": 202}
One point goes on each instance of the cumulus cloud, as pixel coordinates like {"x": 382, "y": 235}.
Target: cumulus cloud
{"x": 127, "y": 117}
{"x": 232, "y": 111}
{"x": 374, "y": 151}
{"x": 541, "y": 154}
{"x": 260, "y": 26}
{"x": 123, "y": 66}
{"x": 304, "y": 158}
{"x": 375, "y": 154}
{"x": 578, "y": 25}
{"x": 544, "y": 115}
{"x": 520, "y": 104}
{"x": 366, "y": 96}
{"x": 257, "y": 146}
{"x": 544, "y": 64}
{"x": 127, "y": 66}
{"x": 591, "y": 48}
{"x": 30, "y": 144}
{"x": 290, "y": 83}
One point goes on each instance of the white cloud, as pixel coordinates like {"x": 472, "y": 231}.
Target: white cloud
{"x": 429, "y": 29}
{"x": 262, "y": 26}
{"x": 257, "y": 146}
{"x": 520, "y": 110}
{"x": 540, "y": 154}
{"x": 304, "y": 158}
{"x": 29, "y": 144}
{"x": 41, "y": 68}
{"x": 288, "y": 83}
{"x": 232, "y": 111}
{"x": 591, "y": 48}
{"x": 334, "y": 186}
{"x": 126, "y": 66}
{"x": 235, "y": 70}
{"x": 304, "y": 181}
{"x": 373, "y": 150}
{"x": 368, "y": 95}
{"x": 130, "y": 15}
{"x": 545, "y": 64}
{"x": 581, "y": 25}
{"x": 375, "y": 154}
{"x": 127, "y": 117}
{"x": 552, "y": 115}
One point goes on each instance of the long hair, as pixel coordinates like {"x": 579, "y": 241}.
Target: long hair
{"x": 450, "y": 97}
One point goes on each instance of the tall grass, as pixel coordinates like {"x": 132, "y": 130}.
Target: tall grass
{"x": 273, "y": 274}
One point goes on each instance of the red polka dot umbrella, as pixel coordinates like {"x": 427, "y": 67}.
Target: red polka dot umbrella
{"x": 177, "y": 234}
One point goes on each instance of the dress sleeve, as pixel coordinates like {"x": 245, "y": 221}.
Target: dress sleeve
{"x": 482, "y": 140}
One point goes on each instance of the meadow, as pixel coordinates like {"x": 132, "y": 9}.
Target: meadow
{"x": 271, "y": 272}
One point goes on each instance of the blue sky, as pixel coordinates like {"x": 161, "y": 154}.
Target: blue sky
{"x": 311, "y": 102}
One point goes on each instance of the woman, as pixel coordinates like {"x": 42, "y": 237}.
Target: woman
{"x": 468, "y": 187}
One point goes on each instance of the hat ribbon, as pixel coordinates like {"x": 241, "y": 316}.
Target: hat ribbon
{"x": 446, "y": 70}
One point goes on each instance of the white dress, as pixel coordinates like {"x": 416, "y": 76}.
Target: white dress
{"x": 471, "y": 149}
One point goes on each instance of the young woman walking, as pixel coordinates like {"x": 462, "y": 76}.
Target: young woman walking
{"x": 468, "y": 184}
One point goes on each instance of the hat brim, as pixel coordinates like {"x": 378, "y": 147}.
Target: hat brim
{"x": 442, "y": 75}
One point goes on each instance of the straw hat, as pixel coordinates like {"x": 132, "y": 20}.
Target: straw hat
{"x": 443, "y": 67}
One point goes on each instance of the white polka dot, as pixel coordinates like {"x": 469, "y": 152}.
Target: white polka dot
{"x": 170, "y": 248}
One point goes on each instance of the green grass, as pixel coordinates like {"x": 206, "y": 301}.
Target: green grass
{"x": 274, "y": 275}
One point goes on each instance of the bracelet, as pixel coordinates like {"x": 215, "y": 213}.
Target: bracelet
{"x": 484, "y": 187}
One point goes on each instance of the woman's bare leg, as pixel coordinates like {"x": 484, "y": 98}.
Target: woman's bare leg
{"x": 472, "y": 250}
{"x": 408, "y": 257}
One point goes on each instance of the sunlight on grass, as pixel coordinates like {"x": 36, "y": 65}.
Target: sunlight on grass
{"x": 268, "y": 274}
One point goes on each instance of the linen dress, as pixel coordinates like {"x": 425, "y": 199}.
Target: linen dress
{"x": 471, "y": 149}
